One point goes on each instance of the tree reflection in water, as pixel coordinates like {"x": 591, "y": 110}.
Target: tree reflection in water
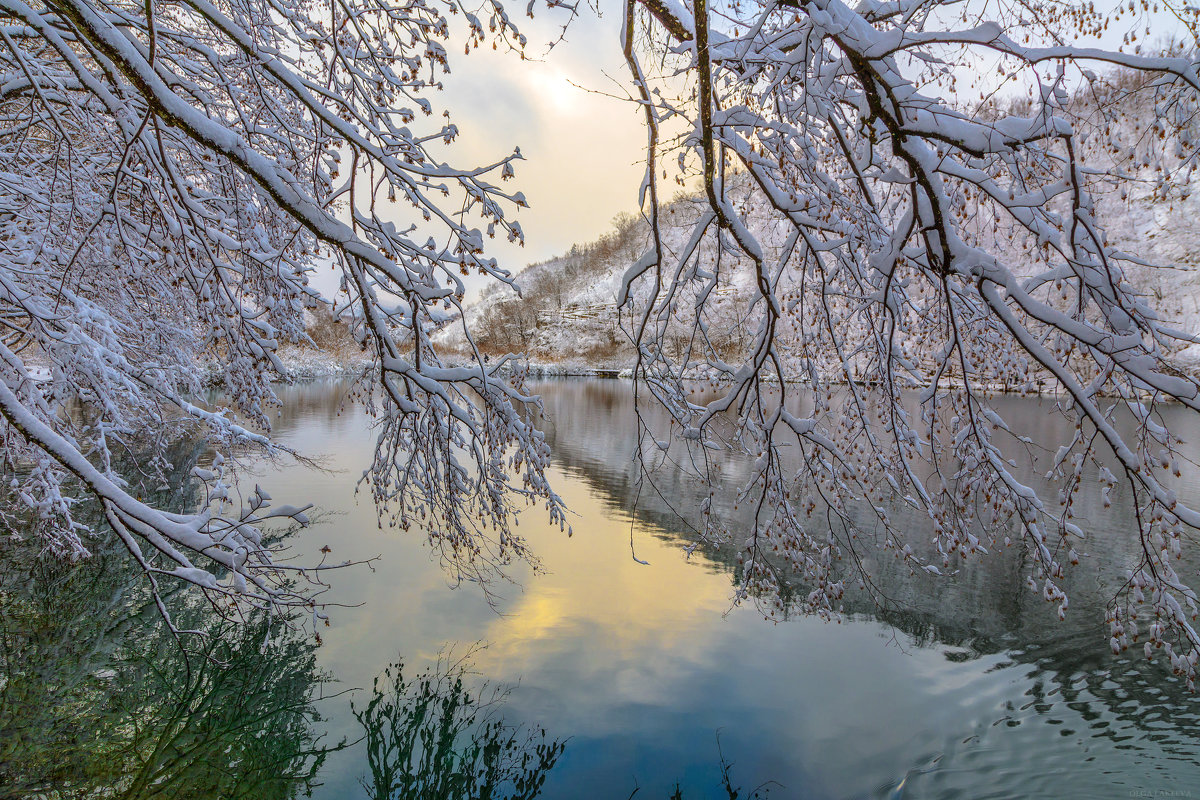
{"x": 94, "y": 695}
{"x": 986, "y": 610}
{"x": 98, "y": 698}
{"x": 432, "y": 737}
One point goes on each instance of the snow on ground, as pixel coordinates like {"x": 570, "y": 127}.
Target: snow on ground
{"x": 305, "y": 363}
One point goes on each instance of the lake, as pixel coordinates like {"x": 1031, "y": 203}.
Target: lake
{"x": 625, "y": 644}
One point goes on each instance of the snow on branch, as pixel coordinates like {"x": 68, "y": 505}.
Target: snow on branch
{"x": 170, "y": 173}
{"x": 900, "y": 237}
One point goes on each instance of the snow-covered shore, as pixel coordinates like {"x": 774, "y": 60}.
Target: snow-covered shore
{"x": 305, "y": 364}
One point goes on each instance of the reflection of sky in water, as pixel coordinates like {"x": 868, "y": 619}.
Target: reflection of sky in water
{"x": 977, "y": 692}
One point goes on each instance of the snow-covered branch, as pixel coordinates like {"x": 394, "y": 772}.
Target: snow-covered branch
{"x": 904, "y": 250}
{"x": 170, "y": 173}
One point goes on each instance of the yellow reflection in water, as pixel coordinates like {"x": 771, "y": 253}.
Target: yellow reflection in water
{"x": 592, "y": 589}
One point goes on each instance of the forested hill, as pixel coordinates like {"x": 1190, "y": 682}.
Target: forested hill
{"x": 567, "y": 314}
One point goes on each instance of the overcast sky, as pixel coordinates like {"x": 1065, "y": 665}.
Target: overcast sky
{"x": 583, "y": 148}
{"x": 584, "y": 151}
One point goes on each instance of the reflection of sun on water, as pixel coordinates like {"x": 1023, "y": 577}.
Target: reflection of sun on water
{"x": 592, "y": 590}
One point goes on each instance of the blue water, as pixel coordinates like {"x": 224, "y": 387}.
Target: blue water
{"x": 962, "y": 686}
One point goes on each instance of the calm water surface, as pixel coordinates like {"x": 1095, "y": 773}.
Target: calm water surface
{"x": 972, "y": 688}
{"x": 968, "y": 687}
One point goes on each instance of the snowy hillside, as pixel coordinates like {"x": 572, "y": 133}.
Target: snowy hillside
{"x": 567, "y": 315}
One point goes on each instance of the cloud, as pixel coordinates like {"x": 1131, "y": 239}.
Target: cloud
{"x": 582, "y": 149}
